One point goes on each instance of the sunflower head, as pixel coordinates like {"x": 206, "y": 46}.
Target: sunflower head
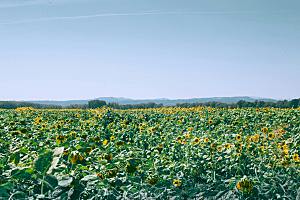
{"x": 152, "y": 180}
{"x": 296, "y": 157}
{"x": 220, "y": 148}
{"x": 264, "y": 130}
{"x": 108, "y": 157}
{"x": 105, "y": 142}
{"x": 177, "y": 182}
{"x": 179, "y": 139}
{"x": 255, "y": 138}
{"x": 238, "y": 137}
{"x": 196, "y": 140}
{"x": 228, "y": 146}
{"x": 37, "y": 120}
{"x": 75, "y": 157}
{"x": 271, "y": 136}
{"x": 244, "y": 185}
{"x": 112, "y": 138}
{"x": 100, "y": 175}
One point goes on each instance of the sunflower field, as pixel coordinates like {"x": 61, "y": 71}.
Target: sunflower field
{"x": 164, "y": 153}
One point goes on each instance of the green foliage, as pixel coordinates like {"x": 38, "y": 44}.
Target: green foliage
{"x": 96, "y": 104}
{"x": 43, "y": 163}
{"x": 160, "y": 153}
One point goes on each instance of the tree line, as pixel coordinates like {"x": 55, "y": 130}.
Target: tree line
{"x": 294, "y": 103}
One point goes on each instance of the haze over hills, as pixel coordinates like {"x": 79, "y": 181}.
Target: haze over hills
{"x": 164, "y": 101}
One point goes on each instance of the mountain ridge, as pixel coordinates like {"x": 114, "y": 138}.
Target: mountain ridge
{"x": 164, "y": 101}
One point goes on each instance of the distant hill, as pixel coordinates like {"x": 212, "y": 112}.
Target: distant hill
{"x": 164, "y": 101}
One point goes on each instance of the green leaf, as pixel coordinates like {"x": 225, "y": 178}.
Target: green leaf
{"x": 23, "y": 174}
{"x": 15, "y": 157}
{"x": 51, "y": 180}
{"x": 65, "y": 182}
{"x": 89, "y": 178}
{"x": 18, "y": 195}
{"x": 43, "y": 163}
{"x": 5, "y": 188}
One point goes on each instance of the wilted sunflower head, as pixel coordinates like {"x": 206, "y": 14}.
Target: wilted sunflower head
{"x": 75, "y": 157}
{"x": 100, "y": 175}
{"x": 152, "y": 180}
{"x": 190, "y": 129}
{"x": 244, "y": 185}
{"x": 120, "y": 143}
{"x": 220, "y": 148}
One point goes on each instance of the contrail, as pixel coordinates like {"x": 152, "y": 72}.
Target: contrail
{"x": 25, "y": 21}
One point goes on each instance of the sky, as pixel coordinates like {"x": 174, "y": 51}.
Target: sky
{"x": 84, "y": 49}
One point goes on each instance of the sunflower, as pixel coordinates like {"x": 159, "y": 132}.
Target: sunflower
{"x": 285, "y": 149}
{"x": 296, "y": 157}
{"x": 187, "y": 136}
{"x": 190, "y": 129}
{"x": 239, "y": 185}
{"x": 75, "y": 157}
{"x": 152, "y": 180}
{"x": 179, "y": 139}
{"x": 255, "y": 138}
{"x": 73, "y": 134}
{"x": 196, "y": 140}
{"x": 60, "y": 139}
{"x": 105, "y": 142}
{"x": 244, "y": 185}
{"x": 37, "y": 120}
{"x": 100, "y": 176}
{"x": 282, "y": 131}
{"x": 238, "y": 137}
{"x": 112, "y": 173}
{"x": 264, "y": 130}
{"x": 220, "y": 148}
{"x": 177, "y": 182}
{"x": 120, "y": 143}
{"x": 112, "y": 138}
{"x": 108, "y": 157}
{"x": 213, "y": 145}
{"x": 88, "y": 150}
{"x": 206, "y": 140}
{"x": 210, "y": 121}
{"x": 228, "y": 146}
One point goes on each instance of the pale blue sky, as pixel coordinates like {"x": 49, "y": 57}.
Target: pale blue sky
{"x": 81, "y": 49}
